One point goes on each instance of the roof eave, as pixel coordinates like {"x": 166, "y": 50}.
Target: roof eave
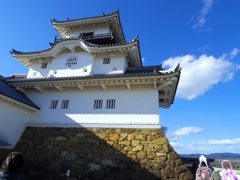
{"x": 13, "y": 101}
{"x": 114, "y": 17}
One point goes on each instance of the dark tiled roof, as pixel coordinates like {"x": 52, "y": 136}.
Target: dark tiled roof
{"x": 85, "y": 18}
{"x": 130, "y": 72}
{"x": 132, "y": 54}
{"x": 9, "y": 91}
{"x": 14, "y": 51}
{"x": 105, "y": 16}
{"x": 47, "y": 49}
{"x": 144, "y": 69}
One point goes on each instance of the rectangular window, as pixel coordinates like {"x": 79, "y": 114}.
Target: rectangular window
{"x": 106, "y": 60}
{"x": 65, "y": 104}
{"x": 44, "y": 66}
{"x": 98, "y": 104}
{"x": 54, "y": 104}
{"x": 110, "y": 104}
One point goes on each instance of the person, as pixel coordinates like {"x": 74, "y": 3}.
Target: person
{"x": 11, "y": 166}
{"x": 227, "y": 173}
{"x": 203, "y": 171}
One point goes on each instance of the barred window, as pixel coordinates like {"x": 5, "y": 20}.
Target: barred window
{"x": 44, "y": 66}
{"x": 106, "y": 60}
{"x": 54, "y": 104}
{"x": 98, "y": 104}
{"x": 71, "y": 61}
{"x": 110, "y": 104}
{"x": 65, "y": 104}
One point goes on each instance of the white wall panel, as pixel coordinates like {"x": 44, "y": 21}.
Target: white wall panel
{"x": 117, "y": 64}
{"x": 35, "y": 70}
{"x": 84, "y": 61}
{"x": 13, "y": 121}
{"x": 132, "y": 106}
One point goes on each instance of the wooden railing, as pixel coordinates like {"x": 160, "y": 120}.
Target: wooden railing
{"x": 97, "y": 36}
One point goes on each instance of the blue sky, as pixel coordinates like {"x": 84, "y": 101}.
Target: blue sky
{"x": 202, "y": 35}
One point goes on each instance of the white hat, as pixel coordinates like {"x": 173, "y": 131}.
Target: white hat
{"x": 202, "y": 159}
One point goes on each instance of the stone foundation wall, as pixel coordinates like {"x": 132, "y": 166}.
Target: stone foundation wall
{"x": 99, "y": 153}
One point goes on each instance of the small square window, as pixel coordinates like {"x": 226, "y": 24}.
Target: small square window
{"x": 106, "y": 60}
{"x": 71, "y": 61}
{"x": 44, "y": 65}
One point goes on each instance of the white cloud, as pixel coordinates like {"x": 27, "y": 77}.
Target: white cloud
{"x": 234, "y": 52}
{"x": 207, "y": 147}
{"x": 184, "y": 131}
{"x": 207, "y": 5}
{"x": 176, "y": 145}
{"x": 230, "y": 55}
{"x": 200, "y": 74}
{"x": 225, "y": 141}
{"x": 219, "y": 142}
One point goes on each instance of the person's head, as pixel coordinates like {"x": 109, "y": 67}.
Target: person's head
{"x": 13, "y": 162}
{"x": 203, "y": 164}
{"x": 226, "y": 164}
{"x": 202, "y": 161}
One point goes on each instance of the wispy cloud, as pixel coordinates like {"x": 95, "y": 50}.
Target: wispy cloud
{"x": 219, "y": 142}
{"x": 205, "y": 70}
{"x": 230, "y": 55}
{"x": 186, "y": 131}
{"x": 211, "y": 146}
{"x": 207, "y": 5}
{"x": 182, "y": 132}
{"x": 234, "y": 52}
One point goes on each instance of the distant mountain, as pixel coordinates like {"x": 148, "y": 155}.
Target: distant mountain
{"x": 214, "y": 155}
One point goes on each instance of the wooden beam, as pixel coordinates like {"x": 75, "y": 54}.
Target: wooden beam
{"x": 128, "y": 85}
{"x": 80, "y": 87}
{"x": 103, "y": 86}
{"x": 155, "y": 83}
{"x": 59, "y": 88}
{"x": 20, "y": 89}
{"x": 164, "y": 84}
{"x": 39, "y": 88}
{"x": 163, "y": 96}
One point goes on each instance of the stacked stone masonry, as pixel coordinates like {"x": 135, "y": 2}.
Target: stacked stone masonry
{"x": 99, "y": 154}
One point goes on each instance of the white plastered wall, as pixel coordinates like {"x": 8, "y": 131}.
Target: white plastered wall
{"x": 13, "y": 121}
{"x": 82, "y": 68}
{"x": 138, "y": 106}
{"x": 117, "y": 64}
{"x": 86, "y": 65}
{"x": 35, "y": 70}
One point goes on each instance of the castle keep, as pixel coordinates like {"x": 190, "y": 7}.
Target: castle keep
{"x": 88, "y": 105}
